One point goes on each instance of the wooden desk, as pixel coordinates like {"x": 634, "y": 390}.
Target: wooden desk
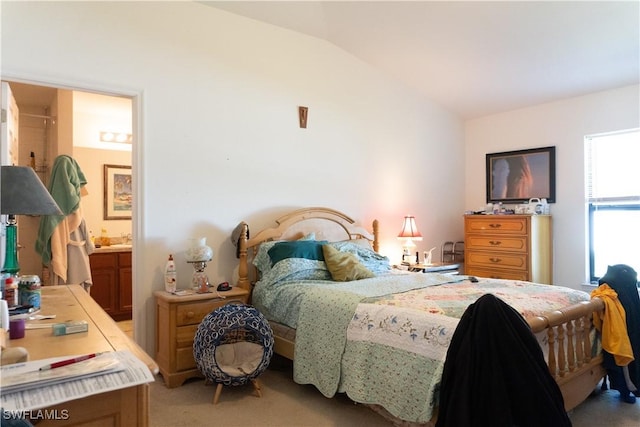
{"x": 124, "y": 407}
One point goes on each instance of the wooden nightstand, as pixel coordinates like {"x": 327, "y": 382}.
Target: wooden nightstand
{"x": 177, "y": 319}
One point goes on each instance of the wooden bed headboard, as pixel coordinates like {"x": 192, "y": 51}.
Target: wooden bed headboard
{"x": 327, "y": 224}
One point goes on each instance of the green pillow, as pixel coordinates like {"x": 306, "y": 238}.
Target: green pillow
{"x": 344, "y": 266}
{"x": 309, "y": 249}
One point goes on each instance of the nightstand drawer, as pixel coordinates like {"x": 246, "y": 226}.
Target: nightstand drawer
{"x": 497, "y": 243}
{"x": 185, "y": 335}
{"x": 496, "y": 260}
{"x": 496, "y": 224}
{"x": 192, "y": 314}
{"x": 184, "y": 359}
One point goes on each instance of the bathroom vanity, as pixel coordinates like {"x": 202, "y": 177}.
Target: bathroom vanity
{"x": 112, "y": 280}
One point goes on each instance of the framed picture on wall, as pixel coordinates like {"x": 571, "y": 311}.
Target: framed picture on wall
{"x": 117, "y": 192}
{"x": 517, "y": 176}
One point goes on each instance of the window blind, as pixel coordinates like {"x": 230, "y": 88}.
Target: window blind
{"x": 613, "y": 164}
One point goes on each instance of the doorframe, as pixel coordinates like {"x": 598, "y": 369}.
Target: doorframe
{"x": 137, "y": 229}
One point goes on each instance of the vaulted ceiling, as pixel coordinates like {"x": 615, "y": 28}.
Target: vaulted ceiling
{"x": 476, "y": 57}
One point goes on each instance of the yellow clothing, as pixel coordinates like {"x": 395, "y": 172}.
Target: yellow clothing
{"x": 613, "y": 325}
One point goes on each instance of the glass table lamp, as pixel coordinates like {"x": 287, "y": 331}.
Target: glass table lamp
{"x": 198, "y": 255}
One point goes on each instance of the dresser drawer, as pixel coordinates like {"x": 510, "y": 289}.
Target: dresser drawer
{"x": 497, "y": 274}
{"x": 497, "y": 224}
{"x": 192, "y": 314}
{"x": 496, "y": 260}
{"x": 497, "y": 243}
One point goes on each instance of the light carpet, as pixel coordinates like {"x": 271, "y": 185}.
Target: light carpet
{"x": 287, "y": 404}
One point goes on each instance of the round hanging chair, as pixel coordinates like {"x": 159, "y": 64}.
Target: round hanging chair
{"x": 233, "y": 345}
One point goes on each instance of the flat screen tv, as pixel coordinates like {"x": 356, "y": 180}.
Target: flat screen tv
{"x": 516, "y": 176}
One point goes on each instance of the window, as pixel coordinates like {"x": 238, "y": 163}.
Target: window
{"x": 613, "y": 198}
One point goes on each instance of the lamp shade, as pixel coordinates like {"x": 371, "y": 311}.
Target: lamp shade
{"x": 24, "y": 194}
{"x": 409, "y": 229}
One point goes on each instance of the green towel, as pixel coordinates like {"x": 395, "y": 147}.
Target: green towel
{"x": 66, "y": 181}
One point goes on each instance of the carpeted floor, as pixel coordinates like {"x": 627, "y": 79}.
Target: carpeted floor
{"x": 287, "y": 404}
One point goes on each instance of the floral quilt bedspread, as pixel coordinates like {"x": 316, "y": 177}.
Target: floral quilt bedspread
{"x": 390, "y": 349}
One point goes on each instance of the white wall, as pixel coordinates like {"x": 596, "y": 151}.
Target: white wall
{"x": 218, "y": 137}
{"x": 92, "y": 114}
{"x": 563, "y": 124}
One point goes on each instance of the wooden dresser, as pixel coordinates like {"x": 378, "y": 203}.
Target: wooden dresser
{"x": 509, "y": 247}
{"x": 177, "y": 319}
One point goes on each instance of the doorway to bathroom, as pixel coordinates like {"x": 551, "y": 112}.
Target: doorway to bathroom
{"x": 96, "y": 129}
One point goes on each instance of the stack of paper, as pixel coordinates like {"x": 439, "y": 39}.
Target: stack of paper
{"x": 24, "y": 386}
{"x": 14, "y": 379}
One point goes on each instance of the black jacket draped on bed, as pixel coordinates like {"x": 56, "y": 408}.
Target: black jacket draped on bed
{"x": 495, "y": 373}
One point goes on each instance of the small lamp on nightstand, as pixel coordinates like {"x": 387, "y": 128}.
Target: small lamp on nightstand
{"x": 198, "y": 255}
{"x": 410, "y": 233}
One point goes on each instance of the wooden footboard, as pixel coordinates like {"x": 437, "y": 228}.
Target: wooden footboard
{"x": 573, "y": 355}
{"x": 572, "y": 360}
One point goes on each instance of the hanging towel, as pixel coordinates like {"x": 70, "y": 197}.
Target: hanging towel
{"x": 54, "y": 235}
{"x": 65, "y": 186}
{"x": 78, "y": 267}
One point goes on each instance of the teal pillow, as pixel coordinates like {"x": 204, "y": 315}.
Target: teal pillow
{"x": 262, "y": 260}
{"x": 308, "y": 249}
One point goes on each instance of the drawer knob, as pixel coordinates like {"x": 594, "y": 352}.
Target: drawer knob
{"x": 495, "y": 242}
{"x": 190, "y": 314}
{"x": 495, "y": 225}
{"x": 495, "y": 259}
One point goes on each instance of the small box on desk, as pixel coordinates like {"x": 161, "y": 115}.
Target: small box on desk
{"x": 72, "y": 327}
